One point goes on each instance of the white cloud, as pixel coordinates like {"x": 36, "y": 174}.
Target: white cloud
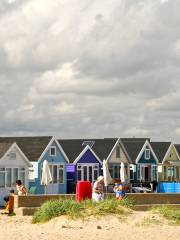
{"x": 164, "y": 1}
{"x": 90, "y": 68}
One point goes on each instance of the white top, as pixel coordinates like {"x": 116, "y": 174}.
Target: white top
{"x": 21, "y": 190}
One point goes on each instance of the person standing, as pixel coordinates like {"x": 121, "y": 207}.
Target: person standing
{"x": 119, "y": 189}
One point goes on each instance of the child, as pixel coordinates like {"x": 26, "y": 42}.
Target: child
{"x": 119, "y": 189}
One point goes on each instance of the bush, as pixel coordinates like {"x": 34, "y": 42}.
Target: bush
{"x": 57, "y": 208}
{"x": 108, "y": 206}
{"x": 86, "y": 208}
{"x": 170, "y": 213}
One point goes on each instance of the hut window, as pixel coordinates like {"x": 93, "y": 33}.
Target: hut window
{"x": 54, "y": 174}
{"x": 147, "y": 154}
{"x": 8, "y": 177}
{"x": 14, "y": 176}
{"x": 31, "y": 174}
{"x": 61, "y": 173}
{"x": 170, "y": 171}
{"x": 115, "y": 171}
{"x": 111, "y": 171}
{"x": 131, "y": 173}
{"x": 53, "y": 151}
{"x": 13, "y": 155}
{"x": 87, "y": 172}
{"x": 154, "y": 172}
{"x": 90, "y": 173}
{"x": 95, "y": 172}
{"x": 138, "y": 172}
{"x": 79, "y": 172}
{"x": 57, "y": 173}
{"x": 22, "y": 175}
{"x": 2, "y": 177}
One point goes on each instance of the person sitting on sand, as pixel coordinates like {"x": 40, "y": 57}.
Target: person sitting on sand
{"x": 6, "y": 199}
{"x": 98, "y": 189}
{"x": 21, "y": 190}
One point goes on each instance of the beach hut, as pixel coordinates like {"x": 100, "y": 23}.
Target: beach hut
{"x": 116, "y": 157}
{"x": 85, "y": 158}
{"x": 14, "y": 165}
{"x": 144, "y": 162}
{"x": 162, "y": 151}
{"x": 37, "y": 149}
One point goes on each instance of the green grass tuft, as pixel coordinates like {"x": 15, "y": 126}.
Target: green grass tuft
{"x": 84, "y": 209}
{"x": 53, "y": 209}
{"x": 148, "y": 221}
{"x": 169, "y": 213}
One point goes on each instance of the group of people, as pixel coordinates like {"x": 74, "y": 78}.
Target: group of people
{"x": 21, "y": 190}
{"x": 97, "y": 195}
{"x": 98, "y": 189}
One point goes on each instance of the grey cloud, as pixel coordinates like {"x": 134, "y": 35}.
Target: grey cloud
{"x": 123, "y": 74}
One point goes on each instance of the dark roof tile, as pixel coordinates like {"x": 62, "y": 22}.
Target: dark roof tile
{"x": 133, "y": 148}
{"x": 177, "y": 146}
{"x": 4, "y": 148}
{"x": 134, "y": 139}
{"x": 101, "y": 147}
{"x": 32, "y": 147}
{"x": 160, "y": 149}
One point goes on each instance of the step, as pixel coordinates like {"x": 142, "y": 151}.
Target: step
{"x": 29, "y": 211}
{"x": 25, "y": 211}
{"x": 146, "y": 207}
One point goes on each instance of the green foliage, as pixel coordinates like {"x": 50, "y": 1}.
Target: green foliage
{"x": 127, "y": 202}
{"x": 86, "y": 208}
{"x": 148, "y": 221}
{"x": 170, "y": 213}
{"x": 108, "y": 206}
{"x": 53, "y": 209}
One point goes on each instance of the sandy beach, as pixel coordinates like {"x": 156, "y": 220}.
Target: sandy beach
{"x": 138, "y": 225}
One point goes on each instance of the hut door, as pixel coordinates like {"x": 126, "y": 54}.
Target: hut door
{"x": 146, "y": 174}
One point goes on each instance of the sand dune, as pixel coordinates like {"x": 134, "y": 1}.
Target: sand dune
{"x": 137, "y": 226}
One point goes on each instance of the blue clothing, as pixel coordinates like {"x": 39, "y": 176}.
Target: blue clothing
{"x": 119, "y": 190}
{"x": 6, "y": 198}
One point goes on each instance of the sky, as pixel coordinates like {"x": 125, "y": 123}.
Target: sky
{"x": 91, "y": 68}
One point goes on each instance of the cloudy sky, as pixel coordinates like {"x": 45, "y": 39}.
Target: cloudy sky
{"x": 91, "y": 68}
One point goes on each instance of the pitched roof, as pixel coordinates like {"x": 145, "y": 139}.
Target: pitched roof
{"x": 177, "y": 146}
{"x": 133, "y": 148}
{"x": 4, "y": 148}
{"x": 101, "y": 147}
{"x": 135, "y": 139}
{"x": 32, "y": 147}
{"x": 160, "y": 149}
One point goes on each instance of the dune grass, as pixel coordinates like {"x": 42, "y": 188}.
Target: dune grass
{"x": 149, "y": 221}
{"x": 170, "y": 213}
{"x": 72, "y": 209}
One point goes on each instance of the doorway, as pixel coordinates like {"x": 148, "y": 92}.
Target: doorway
{"x": 146, "y": 174}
